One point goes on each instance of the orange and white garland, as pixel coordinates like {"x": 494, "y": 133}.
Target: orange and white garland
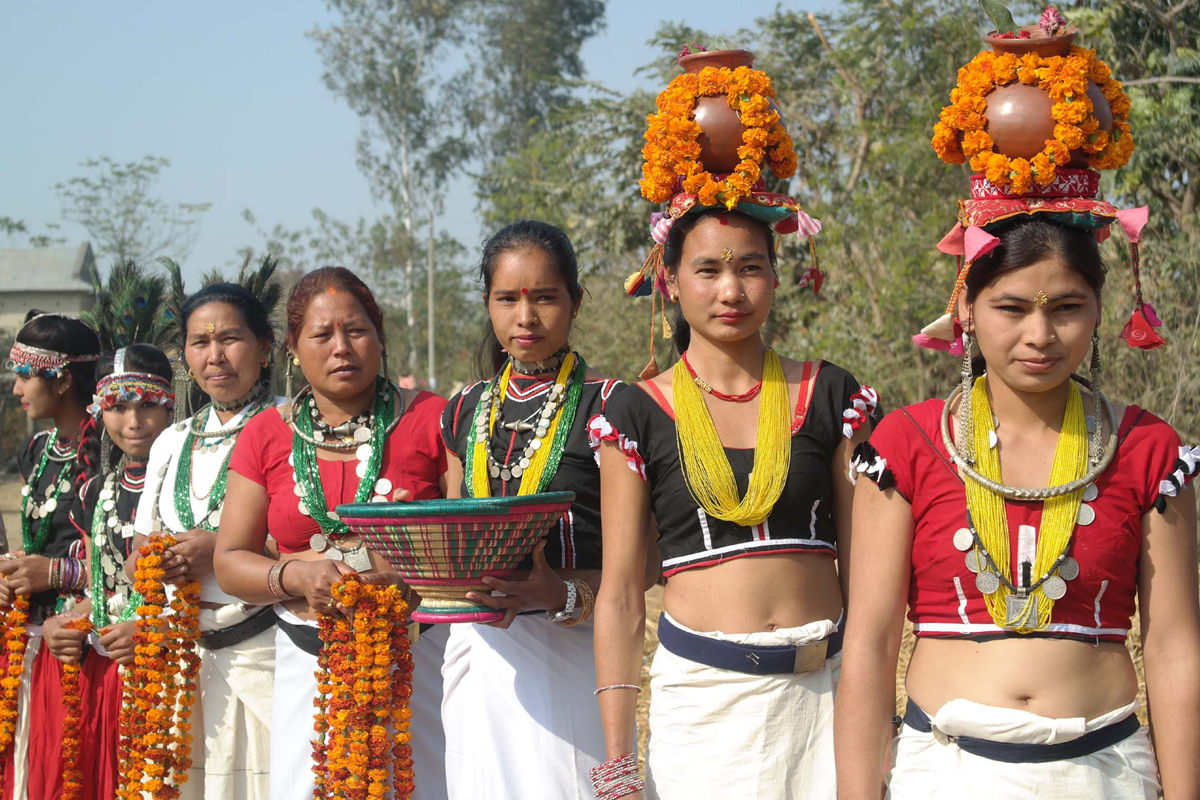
{"x": 960, "y": 133}
{"x": 72, "y": 700}
{"x": 672, "y": 149}
{"x": 159, "y": 692}
{"x": 364, "y": 687}
{"x": 16, "y": 638}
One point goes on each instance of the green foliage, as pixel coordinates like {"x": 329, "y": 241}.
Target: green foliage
{"x": 116, "y": 204}
{"x": 1001, "y": 17}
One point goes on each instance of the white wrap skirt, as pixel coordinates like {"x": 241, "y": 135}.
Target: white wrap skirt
{"x": 720, "y": 733}
{"x": 930, "y": 766}
{"x": 521, "y": 720}
{"x": 292, "y": 718}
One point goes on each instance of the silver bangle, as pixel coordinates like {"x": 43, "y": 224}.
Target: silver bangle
{"x": 617, "y": 686}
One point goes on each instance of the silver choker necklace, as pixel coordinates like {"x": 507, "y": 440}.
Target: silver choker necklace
{"x": 256, "y": 391}
{"x": 550, "y": 364}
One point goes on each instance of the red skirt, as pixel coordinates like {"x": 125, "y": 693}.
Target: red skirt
{"x": 100, "y": 688}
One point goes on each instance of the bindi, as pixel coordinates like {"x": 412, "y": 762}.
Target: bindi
{"x": 524, "y": 290}
{"x": 211, "y": 328}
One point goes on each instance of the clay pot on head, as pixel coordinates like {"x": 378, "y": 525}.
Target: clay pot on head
{"x": 1018, "y": 116}
{"x": 721, "y": 127}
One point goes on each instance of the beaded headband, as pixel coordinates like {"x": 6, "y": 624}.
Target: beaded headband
{"x": 130, "y": 387}
{"x": 29, "y": 361}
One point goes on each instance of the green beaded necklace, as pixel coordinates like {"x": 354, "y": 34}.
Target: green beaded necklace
{"x": 35, "y": 544}
{"x": 308, "y": 475}
{"x": 100, "y": 618}
{"x": 183, "y": 477}
{"x": 557, "y": 446}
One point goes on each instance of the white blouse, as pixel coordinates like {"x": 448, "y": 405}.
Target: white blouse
{"x": 161, "y": 471}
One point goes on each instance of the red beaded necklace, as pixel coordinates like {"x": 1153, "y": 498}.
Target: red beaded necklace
{"x": 744, "y": 397}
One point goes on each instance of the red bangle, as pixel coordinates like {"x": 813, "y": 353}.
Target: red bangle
{"x": 616, "y": 778}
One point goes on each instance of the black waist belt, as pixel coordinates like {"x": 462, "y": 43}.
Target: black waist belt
{"x": 1021, "y": 753}
{"x": 303, "y": 636}
{"x": 756, "y": 660}
{"x": 236, "y": 634}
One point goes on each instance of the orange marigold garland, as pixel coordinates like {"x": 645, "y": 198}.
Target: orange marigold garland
{"x": 672, "y": 149}
{"x": 72, "y": 721}
{"x": 155, "y": 739}
{"x": 16, "y": 639}
{"x": 364, "y": 683}
{"x": 1065, "y": 79}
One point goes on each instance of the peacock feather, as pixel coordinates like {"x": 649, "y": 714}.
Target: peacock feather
{"x": 129, "y": 307}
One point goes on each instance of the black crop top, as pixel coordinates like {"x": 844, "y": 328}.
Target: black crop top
{"x": 801, "y": 521}
{"x": 574, "y": 543}
{"x": 117, "y": 542}
{"x": 63, "y": 540}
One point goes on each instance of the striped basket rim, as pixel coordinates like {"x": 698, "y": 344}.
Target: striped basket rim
{"x": 458, "y": 507}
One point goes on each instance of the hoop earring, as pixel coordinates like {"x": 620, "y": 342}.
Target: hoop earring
{"x": 965, "y": 421}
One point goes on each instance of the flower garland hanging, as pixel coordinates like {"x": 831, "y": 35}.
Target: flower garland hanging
{"x": 1065, "y": 79}
{"x": 364, "y": 685}
{"x": 672, "y": 148}
{"x": 16, "y": 639}
{"x": 156, "y": 753}
{"x": 72, "y": 700}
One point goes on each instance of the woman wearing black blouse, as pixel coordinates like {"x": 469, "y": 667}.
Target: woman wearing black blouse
{"x": 519, "y": 715}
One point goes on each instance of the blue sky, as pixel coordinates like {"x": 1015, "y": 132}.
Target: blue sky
{"x": 231, "y": 93}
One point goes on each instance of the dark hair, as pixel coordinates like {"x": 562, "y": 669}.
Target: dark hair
{"x": 673, "y": 254}
{"x": 253, "y": 312}
{"x": 1028, "y": 241}
{"x": 67, "y": 335}
{"x": 323, "y": 280}
{"x": 138, "y": 358}
{"x": 522, "y": 235}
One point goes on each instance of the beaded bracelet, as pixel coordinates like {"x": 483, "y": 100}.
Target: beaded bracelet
{"x": 617, "y": 686}
{"x": 616, "y": 778}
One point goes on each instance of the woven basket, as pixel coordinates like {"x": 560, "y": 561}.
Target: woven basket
{"x": 442, "y": 548}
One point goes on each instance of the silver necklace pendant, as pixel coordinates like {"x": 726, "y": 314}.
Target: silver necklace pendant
{"x": 357, "y": 559}
{"x": 318, "y": 542}
{"x": 1014, "y": 611}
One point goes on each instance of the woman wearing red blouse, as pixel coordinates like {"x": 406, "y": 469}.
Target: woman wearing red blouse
{"x": 1018, "y": 521}
{"x": 290, "y": 468}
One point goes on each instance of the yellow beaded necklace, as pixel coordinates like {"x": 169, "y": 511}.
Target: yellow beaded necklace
{"x": 702, "y": 457}
{"x": 1059, "y": 514}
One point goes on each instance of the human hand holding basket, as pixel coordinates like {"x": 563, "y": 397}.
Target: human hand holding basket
{"x": 444, "y": 548}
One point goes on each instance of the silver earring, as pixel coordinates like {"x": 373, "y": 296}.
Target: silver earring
{"x": 287, "y": 378}
{"x": 105, "y": 451}
{"x": 1096, "y": 375}
{"x": 965, "y": 420}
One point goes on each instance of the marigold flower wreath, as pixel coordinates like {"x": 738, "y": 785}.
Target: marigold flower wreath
{"x": 158, "y": 695}
{"x": 672, "y": 149}
{"x": 16, "y": 639}
{"x": 72, "y": 718}
{"x": 364, "y": 685}
{"x": 1065, "y": 79}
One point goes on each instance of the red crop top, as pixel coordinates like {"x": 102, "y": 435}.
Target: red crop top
{"x": 906, "y": 452}
{"x": 414, "y": 458}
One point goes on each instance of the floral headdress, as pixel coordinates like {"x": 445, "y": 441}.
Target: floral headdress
{"x": 717, "y": 126}
{"x": 37, "y": 362}
{"x": 130, "y": 387}
{"x": 1063, "y": 116}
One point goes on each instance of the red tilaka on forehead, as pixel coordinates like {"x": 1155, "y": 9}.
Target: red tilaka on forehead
{"x": 524, "y": 290}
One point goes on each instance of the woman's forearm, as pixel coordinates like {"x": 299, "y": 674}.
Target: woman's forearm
{"x": 862, "y": 727}
{"x": 1173, "y": 692}
{"x": 620, "y": 631}
{"x": 243, "y": 574}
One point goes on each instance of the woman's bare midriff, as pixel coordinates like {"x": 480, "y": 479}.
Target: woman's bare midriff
{"x": 299, "y": 606}
{"x": 756, "y": 593}
{"x": 1058, "y": 678}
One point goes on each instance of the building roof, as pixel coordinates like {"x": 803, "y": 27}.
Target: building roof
{"x": 46, "y": 269}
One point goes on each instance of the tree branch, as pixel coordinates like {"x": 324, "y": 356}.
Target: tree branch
{"x": 1163, "y": 79}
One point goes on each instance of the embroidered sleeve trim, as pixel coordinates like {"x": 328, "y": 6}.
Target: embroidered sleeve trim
{"x": 868, "y": 462}
{"x": 1185, "y": 468}
{"x": 599, "y": 429}
{"x": 863, "y": 404}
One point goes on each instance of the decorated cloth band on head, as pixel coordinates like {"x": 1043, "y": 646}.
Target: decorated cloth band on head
{"x": 130, "y": 387}
{"x": 716, "y": 130}
{"x": 1035, "y": 116}
{"x": 37, "y": 362}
